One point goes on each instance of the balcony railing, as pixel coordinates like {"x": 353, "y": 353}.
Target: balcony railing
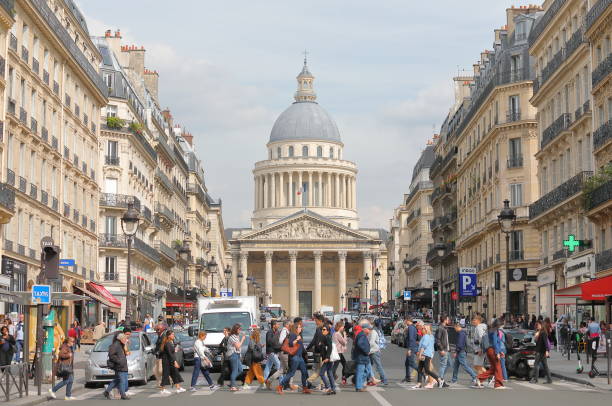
{"x": 13, "y": 42}
{"x": 543, "y": 21}
{"x": 603, "y": 260}
{"x": 25, "y": 54}
{"x": 600, "y": 195}
{"x": 164, "y": 179}
{"x": 119, "y": 201}
{"x": 161, "y": 209}
{"x": 517, "y": 255}
{"x": 120, "y": 241}
{"x": 560, "y": 194}
{"x": 54, "y": 204}
{"x": 44, "y": 197}
{"x": 23, "y": 116}
{"x": 76, "y": 216}
{"x": 66, "y": 152}
{"x": 146, "y": 213}
{"x": 33, "y": 125}
{"x": 555, "y": 129}
{"x": 7, "y": 197}
{"x": 44, "y": 134}
{"x": 66, "y": 210}
{"x": 596, "y": 11}
{"x": 514, "y": 115}
{"x": 11, "y": 106}
{"x": 46, "y": 77}
{"x": 33, "y": 191}
{"x": 602, "y": 70}
{"x": 111, "y": 160}
{"x": 35, "y": 66}
{"x": 23, "y": 184}
{"x": 54, "y": 143}
{"x": 56, "y": 88}
{"x": 92, "y": 225}
{"x": 515, "y": 161}
{"x": 67, "y": 99}
{"x": 167, "y": 251}
{"x": 602, "y": 135}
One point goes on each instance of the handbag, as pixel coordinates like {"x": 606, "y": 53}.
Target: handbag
{"x": 64, "y": 369}
{"x": 334, "y": 354}
{"x": 286, "y": 348}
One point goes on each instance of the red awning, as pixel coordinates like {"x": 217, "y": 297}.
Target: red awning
{"x": 101, "y": 290}
{"x": 596, "y": 289}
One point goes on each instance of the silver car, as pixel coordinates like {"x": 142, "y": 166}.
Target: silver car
{"x": 141, "y": 360}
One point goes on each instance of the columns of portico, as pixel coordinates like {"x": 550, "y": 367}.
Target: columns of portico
{"x": 281, "y": 184}
{"x": 266, "y": 185}
{"x": 300, "y": 182}
{"x": 337, "y": 191}
{"x": 293, "y": 308}
{"x": 354, "y": 194}
{"x": 273, "y": 190}
{"x": 367, "y": 266}
{"x": 328, "y": 200}
{"x": 310, "y": 188}
{"x": 317, "y": 281}
{"x": 268, "y": 278}
{"x": 290, "y": 191}
{"x": 235, "y": 269}
{"x": 341, "y": 279}
{"x": 244, "y": 256}
{"x": 320, "y": 194}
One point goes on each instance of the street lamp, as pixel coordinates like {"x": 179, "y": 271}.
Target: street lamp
{"x": 358, "y": 286}
{"x": 366, "y": 279}
{"x": 391, "y": 274}
{"x": 185, "y": 252}
{"x": 440, "y": 248}
{"x": 212, "y": 270}
{"x": 129, "y": 225}
{"x": 342, "y": 301}
{"x": 377, "y": 279}
{"x": 228, "y": 275}
{"x": 506, "y": 220}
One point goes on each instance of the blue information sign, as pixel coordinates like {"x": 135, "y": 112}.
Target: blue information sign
{"x": 407, "y": 295}
{"x": 467, "y": 282}
{"x": 226, "y": 292}
{"x": 67, "y": 262}
{"x": 41, "y": 294}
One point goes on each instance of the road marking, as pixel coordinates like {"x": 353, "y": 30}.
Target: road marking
{"x": 204, "y": 392}
{"x": 249, "y": 391}
{"x": 574, "y": 386}
{"x": 532, "y": 385}
{"x": 161, "y": 395}
{"x": 380, "y": 399}
{"x": 89, "y": 395}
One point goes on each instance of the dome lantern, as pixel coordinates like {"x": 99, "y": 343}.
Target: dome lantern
{"x": 305, "y": 91}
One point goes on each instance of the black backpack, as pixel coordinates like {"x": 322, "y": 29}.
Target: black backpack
{"x": 276, "y": 341}
{"x": 257, "y": 353}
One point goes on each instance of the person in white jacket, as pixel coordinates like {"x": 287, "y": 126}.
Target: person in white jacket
{"x": 202, "y": 362}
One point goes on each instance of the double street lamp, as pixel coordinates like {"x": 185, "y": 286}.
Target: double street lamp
{"x": 506, "y": 220}
{"x": 129, "y": 225}
{"x": 185, "y": 253}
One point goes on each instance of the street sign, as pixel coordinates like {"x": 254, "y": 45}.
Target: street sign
{"x": 467, "y": 282}
{"x": 67, "y": 262}
{"x": 407, "y": 295}
{"x": 41, "y": 294}
{"x": 226, "y": 292}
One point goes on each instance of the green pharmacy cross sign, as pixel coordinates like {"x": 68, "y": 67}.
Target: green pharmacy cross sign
{"x": 571, "y": 243}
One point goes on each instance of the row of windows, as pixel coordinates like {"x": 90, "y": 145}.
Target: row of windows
{"x": 485, "y": 250}
{"x": 561, "y": 167}
{"x": 553, "y": 236}
{"x": 306, "y": 152}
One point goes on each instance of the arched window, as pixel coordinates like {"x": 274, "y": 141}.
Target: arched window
{"x": 319, "y": 151}
{"x": 305, "y": 150}
{"x": 331, "y": 152}
{"x": 278, "y": 152}
{"x": 291, "y": 151}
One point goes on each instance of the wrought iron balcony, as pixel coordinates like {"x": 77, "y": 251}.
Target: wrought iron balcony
{"x": 76, "y": 216}
{"x": 600, "y": 195}
{"x": 146, "y": 213}
{"x": 560, "y": 57}
{"x": 164, "y": 211}
{"x": 13, "y": 42}
{"x": 596, "y": 11}
{"x": 54, "y": 204}
{"x": 33, "y": 191}
{"x": 602, "y": 70}
{"x": 120, "y": 241}
{"x": 517, "y": 255}
{"x": 111, "y": 276}
{"x": 603, "y": 260}
{"x": 555, "y": 129}
{"x": 543, "y": 21}
{"x": 515, "y": 161}
{"x": 7, "y": 197}
{"x": 560, "y": 194}
{"x": 56, "y": 88}
{"x": 11, "y": 106}
{"x": 23, "y": 116}
{"x": 66, "y": 210}
{"x": 170, "y": 253}
{"x": 111, "y": 160}
{"x": 46, "y": 77}
{"x": 166, "y": 182}
{"x": 21, "y": 250}
{"x": 54, "y": 143}
{"x": 25, "y": 54}
{"x": 602, "y": 135}
{"x": 66, "y": 152}
{"x": 35, "y": 66}
{"x": 119, "y": 201}
{"x": 33, "y": 125}
{"x": 23, "y": 184}
{"x": 44, "y": 134}
{"x": 578, "y": 114}
{"x": 419, "y": 186}
{"x": 44, "y": 197}
{"x": 513, "y": 115}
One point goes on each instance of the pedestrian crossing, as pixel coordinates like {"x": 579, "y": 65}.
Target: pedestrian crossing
{"x": 513, "y": 385}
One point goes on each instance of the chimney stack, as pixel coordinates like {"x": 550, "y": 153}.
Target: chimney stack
{"x": 136, "y": 57}
{"x": 151, "y": 79}
{"x": 188, "y": 138}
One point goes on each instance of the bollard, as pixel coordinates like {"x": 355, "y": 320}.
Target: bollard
{"x": 48, "y": 344}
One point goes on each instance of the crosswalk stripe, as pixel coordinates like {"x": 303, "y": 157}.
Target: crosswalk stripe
{"x": 249, "y": 391}
{"x": 204, "y": 392}
{"x": 532, "y": 385}
{"x": 574, "y": 386}
{"x": 380, "y": 399}
{"x": 161, "y": 395}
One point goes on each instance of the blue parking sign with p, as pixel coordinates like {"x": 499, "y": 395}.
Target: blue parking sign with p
{"x": 467, "y": 282}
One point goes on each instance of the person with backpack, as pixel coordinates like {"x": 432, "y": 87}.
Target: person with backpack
{"x": 253, "y": 358}
{"x": 377, "y": 343}
{"x": 117, "y": 361}
{"x": 65, "y": 369}
{"x": 273, "y": 346}
{"x": 443, "y": 347}
{"x": 202, "y": 362}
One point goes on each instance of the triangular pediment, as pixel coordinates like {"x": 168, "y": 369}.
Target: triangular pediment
{"x": 306, "y": 227}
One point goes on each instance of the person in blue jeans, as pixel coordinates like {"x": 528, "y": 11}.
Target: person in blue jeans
{"x": 296, "y": 361}
{"x": 460, "y": 356}
{"x": 361, "y": 354}
{"x": 327, "y": 372}
{"x": 202, "y": 362}
{"x": 412, "y": 347}
{"x": 66, "y": 358}
{"x": 504, "y": 351}
{"x": 117, "y": 361}
{"x": 234, "y": 343}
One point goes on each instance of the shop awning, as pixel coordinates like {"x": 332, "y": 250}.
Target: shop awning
{"x": 98, "y": 298}
{"x": 595, "y": 290}
{"x": 103, "y": 295}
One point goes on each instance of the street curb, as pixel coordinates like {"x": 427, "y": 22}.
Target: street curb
{"x": 43, "y": 397}
{"x": 577, "y": 380}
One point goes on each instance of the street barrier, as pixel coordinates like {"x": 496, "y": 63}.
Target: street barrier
{"x": 13, "y": 380}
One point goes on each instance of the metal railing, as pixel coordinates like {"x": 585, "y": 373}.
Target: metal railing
{"x": 163, "y": 210}
{"x": 600, "y": 195}
{"x": 603, "y": 260}
{"x": 33, "y": 191}
{"x": 35, "y": 66}
{"x": 13, "y": 42}
{"x": 7, "y": 197}
{"x": 602, "y": 135}
{"x": 560, "y": 57}
{"x": 118, "y": 200}
{"x": 164, "y": 179}
{"x": 560, "y": 194}
{"x": 23, "y": 184}
{"x": 515, "y": 161}
{"x": 559, "y": 254}
{"x": 111, "y": 160}
{"x": 14, "y": 380}
{"x": 555, "y": 129}
{"x": 513, "y": 115}
{"x": 596, "y": 11}
{"x": 602, "y": 71}
{"x": 517, "y": 255}
{"x": 120, "y": 241}
{"x": 164, "y": 249}
{"x": 543, "y": 21}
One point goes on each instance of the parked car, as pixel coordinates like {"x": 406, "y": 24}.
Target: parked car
{"x": 387, "y": 325}
{"x": 141, "y": 359}
{"x": 180, "y": 356}
{"x": 186, "y": 342}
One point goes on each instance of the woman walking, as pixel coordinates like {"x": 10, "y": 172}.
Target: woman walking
{"x": 339, "y": 340}
{"x": 202, "y": 362}
{"x": 327, "y": 368}
{"x": 493, "y": 350}
{"x": 234, "y": 343}
{"x": 65, "y": 369}
{"x": 169, "y": 365}
{"x": 296, "y": 360}
{"x": 542, "y": 349}
{"x": 424, "y": 355}
{"x": 254, "y": 356}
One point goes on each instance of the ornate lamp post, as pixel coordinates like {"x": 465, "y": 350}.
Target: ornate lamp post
{"x": 391, "y": 274}
{"x": 506, "y": 220}
{"x": 240, "y": 276}
{"x": 349, "y": 294}
{"x": 377, "y": 279}
{"x": 366, "y": 279}
{"x": 228, "y": 275}
{"x": 440, "y": 248}
{"x": 212, "y": 269}
{"x": 129, "y": 225}
{"x": 358, "y": 286}
{"x": 185, "y": 253}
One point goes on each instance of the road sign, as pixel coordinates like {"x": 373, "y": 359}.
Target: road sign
{"x": 407, "y": 295}
{"x": 226, "y": 292}
{"x": 67, "y": 262}
{"x": 467, "y": 282}
{"x": 41, "y": 294}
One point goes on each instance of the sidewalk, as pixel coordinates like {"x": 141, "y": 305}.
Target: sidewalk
{"x": 80, "y": 361}
{"x": 561, "y": 368}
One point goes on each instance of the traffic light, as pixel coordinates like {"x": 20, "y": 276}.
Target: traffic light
{"x": 51, "y": 261}
{"x": 435, "y": 288}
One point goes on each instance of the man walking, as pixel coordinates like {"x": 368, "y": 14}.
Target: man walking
{"x": 377, "y": 340}
{"x": 361, "y": 354}
{"x": 411, "y": 345}
{"x": 315, "y": 346}
{"x": 273, "y": 346}
{"x": 19, "y": 327}
{"x": 480, "y": 332}
{"x": 117, "y": 361}
{"x": 460, "y": 356}
{"x": 443, "y": 347}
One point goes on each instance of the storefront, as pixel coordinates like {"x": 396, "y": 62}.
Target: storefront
{"x": 588, "y": 299}
{"x": 176, "y": 307}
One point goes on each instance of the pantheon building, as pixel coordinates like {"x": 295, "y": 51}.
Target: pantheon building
{"x": 304, "y": 248}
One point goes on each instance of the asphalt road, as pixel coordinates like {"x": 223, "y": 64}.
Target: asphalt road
{"x": 518, "y": 392}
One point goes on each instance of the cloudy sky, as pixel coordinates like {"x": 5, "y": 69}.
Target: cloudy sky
{"x": 383, "y": 70}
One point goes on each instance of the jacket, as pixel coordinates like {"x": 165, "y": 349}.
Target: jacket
{"x": 361, "y": 349}
{"x": 340, "y": 340}
{"x": 272, "y": 345}
{"x": 326, "y": 346}
{"x": 442, "y": 339}
{"x": 427, "y": 345}
{"x": 315, "y": 344}
{"x": 373, "y": 339}
{"x": 158, "y": 349}
{"x": 460, "y": 345}
{"x": 168, "y": 352}
{"x": 410, "y": 340}
{"x": 494, "y": 341}
{"x": 541, "y": 344}
{"x": 116, "y": 357}
{"x": 201, "y": 351}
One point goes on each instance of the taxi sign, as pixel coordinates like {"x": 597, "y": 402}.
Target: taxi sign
{"x": 41, "y": 294}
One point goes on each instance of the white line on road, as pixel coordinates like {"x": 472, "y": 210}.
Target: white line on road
{"x": 380, "y": 399}
{"x": 574, "y": 386}
{"x": 532, "y": 385}
{"x": 204, "y": 392}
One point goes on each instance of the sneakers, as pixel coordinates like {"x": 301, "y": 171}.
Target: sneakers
{"x": 163, "y": 392}
{"x": 180, "y": 390}
{"x": 214, "y": 387}
{"x": 501, "y": 387}
{"x": 70, "y": 398}
{"x": 417, "y": 387}
{"x": 52, "y": 394}
{"x": 279, "y": 389}
{"x": 476, "y": 384}
{"x": 192, "y": 389}
{"x": 246, "y": 387}
{"x": 106, "y": 395}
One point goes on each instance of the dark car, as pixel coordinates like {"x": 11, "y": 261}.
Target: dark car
{"x": 186, "y": 342}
